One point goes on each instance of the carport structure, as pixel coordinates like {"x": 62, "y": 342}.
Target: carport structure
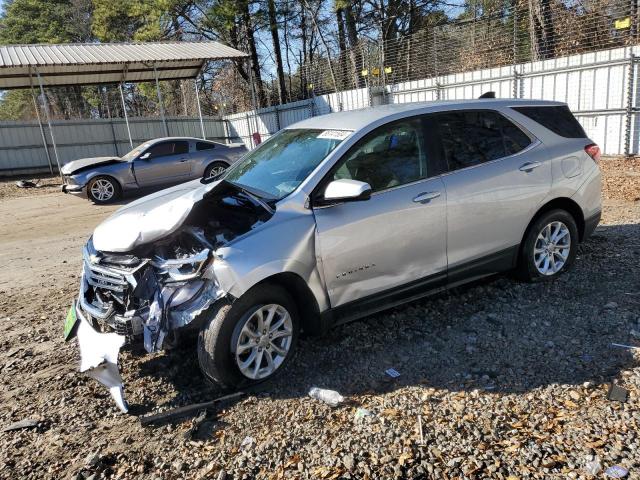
{"x": 49, "y": 65}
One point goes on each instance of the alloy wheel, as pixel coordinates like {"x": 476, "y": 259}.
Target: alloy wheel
{"x": 264, "y": 341}
{"x": 102, "y": 190}
{"x": 551, "y": 248}
{"x": 215, "y": 171}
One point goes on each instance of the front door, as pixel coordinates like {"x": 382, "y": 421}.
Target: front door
{"x": 163, "y": 163}
{"x": 395, "y": 241}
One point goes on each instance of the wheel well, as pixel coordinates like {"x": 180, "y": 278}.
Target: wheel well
{"x": 302, "y": 295}
{"x": 217, "y": 160}
{"x": 562, "y": 203}
{"x": 104, "y": 175}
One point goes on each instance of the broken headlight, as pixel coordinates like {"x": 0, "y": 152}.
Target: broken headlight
{"x": 181, "y": 269}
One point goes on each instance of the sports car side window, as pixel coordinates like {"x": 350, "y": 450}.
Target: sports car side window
{"x": 168, "y": 148}
{"x": 389, "y": 156}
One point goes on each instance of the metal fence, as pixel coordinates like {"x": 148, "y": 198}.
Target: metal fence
{"x": 22, "y": 150}
{"x": 600, "y": 87}
{"x": 582, "y": 52}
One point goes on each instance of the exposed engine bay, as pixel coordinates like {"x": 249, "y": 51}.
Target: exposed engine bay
{"x": 160, "y": 287}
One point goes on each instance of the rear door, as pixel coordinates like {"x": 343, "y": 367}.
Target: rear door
{"x": 497, "y": 176}
{"x": 167, "y": 162}
{"x": 388, "y": 246}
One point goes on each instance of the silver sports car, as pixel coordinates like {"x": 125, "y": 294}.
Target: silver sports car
{"x": 158, "y": 162}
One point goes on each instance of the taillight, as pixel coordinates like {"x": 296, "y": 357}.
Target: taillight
{"x": 593, "y": 151}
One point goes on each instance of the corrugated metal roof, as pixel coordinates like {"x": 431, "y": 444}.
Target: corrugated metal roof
{"x": 82, "y": 64}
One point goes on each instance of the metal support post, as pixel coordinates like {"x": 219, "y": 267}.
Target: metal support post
{"x": 164, "y": 120}
{"x": 48, "y": 116}
{"x": 253, "y": 104}
{"x": 126, "y": 117}
{"x": 42, "y": 134}
{"x": 195, "y": 83}
{"x": 628, "y": 127}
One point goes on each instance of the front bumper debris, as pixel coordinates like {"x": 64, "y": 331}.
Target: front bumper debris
{"x": 99, "y": 358}
{"x": 75, "y": 189}
{"x": 139, "y": 301}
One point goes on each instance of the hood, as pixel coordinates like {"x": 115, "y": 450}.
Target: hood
{"x": 149, "y": 218}
{"x": 77, "y": 166}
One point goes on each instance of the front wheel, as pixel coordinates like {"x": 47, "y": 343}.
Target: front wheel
{"x": 251, "y": 340}
{"x": 215, "y": 169}
{"x": 549, "y": 247}
{"x": 103, "y": 190}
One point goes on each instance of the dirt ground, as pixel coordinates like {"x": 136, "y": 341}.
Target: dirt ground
{"x": 510, "y": 379}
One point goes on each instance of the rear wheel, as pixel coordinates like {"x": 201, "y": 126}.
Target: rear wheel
{"x": 251, "y": 340}
{"x": 549, "y": 247}
{"x": 215, "y": 169}
{"x": 102, "y": 190}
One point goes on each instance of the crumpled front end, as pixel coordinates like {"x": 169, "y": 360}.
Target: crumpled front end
{"x": 124, "y": 299}
{"x": 165, "y": 279}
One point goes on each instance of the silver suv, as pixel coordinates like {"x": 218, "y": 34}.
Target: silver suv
{"x": 332, "y": 219}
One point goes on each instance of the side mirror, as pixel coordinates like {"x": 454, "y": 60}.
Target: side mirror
{"x": 145, "y": 156}
{"x": 345, "y": 190}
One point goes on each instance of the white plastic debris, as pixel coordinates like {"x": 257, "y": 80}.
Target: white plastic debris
{"x": 593, "y": 466}
{"x": 361, "y": 413}
{"x": 248, "y": 442}
{"x": 330, "y": 397}
{"x": 99, "y": 359}
{"x": 616, "y": 471}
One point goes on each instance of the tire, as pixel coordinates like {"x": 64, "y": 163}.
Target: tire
{"x": 213, "y": 167}
{"x": 103, "y": 190}
{"x": 223, "y": 332}
{"x": 536, "y": 266}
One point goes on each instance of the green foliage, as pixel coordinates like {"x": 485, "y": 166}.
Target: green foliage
{"x": 142, "y": 20}
{"x": 42, "y": 21}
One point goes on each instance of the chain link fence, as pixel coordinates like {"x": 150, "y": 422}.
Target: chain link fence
{"x": 582, "y": 52}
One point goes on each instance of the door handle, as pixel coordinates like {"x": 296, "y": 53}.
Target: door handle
{"x": 426, "y": 197}
{"x": 529, "y": 166}
{"x": 182, "y": 160}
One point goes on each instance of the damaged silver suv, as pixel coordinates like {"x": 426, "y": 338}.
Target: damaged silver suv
{"x": 330, "y": 220}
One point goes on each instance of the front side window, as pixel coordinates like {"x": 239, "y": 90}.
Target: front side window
{"x": 472, "y": 137}
{"x": 392, "y": 155}
{"x": 168, "y": 148}
{"x": 278, "y": 166}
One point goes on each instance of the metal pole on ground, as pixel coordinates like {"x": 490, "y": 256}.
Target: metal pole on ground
{"x": 126, "y": 117}
{"x": 195, "y": 83}
{"x": 164, "y": 120}
{"x": 44, "y": 138}
{"x": 46, "y": 112}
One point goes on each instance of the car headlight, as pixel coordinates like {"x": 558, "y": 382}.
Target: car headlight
{"x": 181, "y": 269}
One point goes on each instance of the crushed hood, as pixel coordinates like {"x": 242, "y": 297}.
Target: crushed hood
{"x": 86, "y": 163}
{"x": 149, "y": 218}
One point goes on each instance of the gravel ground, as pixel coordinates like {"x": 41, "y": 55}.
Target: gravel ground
{"x": 510, "y": 380}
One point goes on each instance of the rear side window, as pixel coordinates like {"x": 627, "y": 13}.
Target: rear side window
{"x": 558, "y": 119}
{"x": 204, "y": 146}
{"x": 473, "y": 137}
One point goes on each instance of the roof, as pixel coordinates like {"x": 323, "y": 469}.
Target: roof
{"x": 358, "y": 119}
{"x": 92, "y": 63}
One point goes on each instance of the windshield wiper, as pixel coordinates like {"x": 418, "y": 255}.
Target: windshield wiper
{"x": 255, "y": 198}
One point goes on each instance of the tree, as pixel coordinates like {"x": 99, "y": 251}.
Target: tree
{"x": 44, "y": 21}
{"x": 273, "y": 26}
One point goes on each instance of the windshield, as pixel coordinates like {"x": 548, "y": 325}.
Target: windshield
{"x": 136, "y": 151}
{"x": 279, "y": 165}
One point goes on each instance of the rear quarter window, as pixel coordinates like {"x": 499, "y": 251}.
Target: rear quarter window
{"x": 204, "y": 146}
{"x": 557, "y": 118}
